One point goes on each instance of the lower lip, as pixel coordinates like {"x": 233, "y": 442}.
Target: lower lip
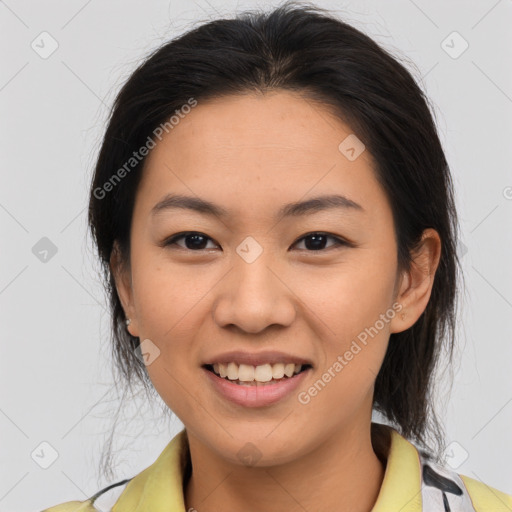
{"x": 256, "y": 396}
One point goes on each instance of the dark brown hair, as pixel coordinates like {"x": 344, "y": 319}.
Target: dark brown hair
{"x": 300, "y": 47}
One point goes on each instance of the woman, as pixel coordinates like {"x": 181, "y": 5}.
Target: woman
{"x": 275, "y": 216}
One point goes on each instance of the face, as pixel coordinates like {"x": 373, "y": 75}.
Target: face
{"x": 315, "y": 284}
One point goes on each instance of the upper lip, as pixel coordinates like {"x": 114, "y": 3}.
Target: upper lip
{"x": 257, "y": 358}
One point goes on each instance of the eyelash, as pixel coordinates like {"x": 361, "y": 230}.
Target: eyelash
{"x": 339, "y": 242}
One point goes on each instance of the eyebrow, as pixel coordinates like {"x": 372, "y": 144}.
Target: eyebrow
{"x": 316, "y": 204}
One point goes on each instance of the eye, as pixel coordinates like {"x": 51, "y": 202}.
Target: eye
{"x": 317, "y": 241}
{"x": 196, "y": 241}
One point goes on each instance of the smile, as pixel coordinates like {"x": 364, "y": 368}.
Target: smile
{"x": 255, "y": 386}
{"x": 248, "y": 374}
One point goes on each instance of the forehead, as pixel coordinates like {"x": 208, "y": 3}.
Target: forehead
{"x": 257, "y": 151}
{"x": 257, "y": 124}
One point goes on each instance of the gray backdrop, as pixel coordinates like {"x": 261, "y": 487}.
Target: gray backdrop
{"x": 62, "y": 63}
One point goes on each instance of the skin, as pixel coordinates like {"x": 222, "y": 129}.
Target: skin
{"x": 252, "y": 154}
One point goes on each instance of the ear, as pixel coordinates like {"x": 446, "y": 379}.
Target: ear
{"x": 122, "y": 278}
{"x": 415, "y": 285}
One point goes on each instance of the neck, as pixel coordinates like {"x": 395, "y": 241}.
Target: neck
{"x": 343, "y": 473}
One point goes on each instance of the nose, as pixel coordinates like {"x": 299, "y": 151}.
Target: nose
{"x": 254, "y": 296}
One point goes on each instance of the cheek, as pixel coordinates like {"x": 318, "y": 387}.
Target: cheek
{"x": 352, "y": 296}
{"x": 356, "y": 306}
{"x": 166, "y": 295}
{"x": 169, "y": 307}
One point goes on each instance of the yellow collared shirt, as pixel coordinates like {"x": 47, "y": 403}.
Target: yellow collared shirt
{"x": 411, "y": 484}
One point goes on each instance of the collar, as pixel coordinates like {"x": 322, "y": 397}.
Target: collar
{"x": 159, "y": 488}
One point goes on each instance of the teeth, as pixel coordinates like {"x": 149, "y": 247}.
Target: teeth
{"x": 278, "y": 371}
{"x": 245, "y": 373}
{"x": 232, "y": 371}
{"x": 261, "y": 373}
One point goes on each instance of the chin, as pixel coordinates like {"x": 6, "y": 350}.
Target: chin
{"x": 254, "y": 447}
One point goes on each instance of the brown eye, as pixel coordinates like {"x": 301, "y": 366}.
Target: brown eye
{"x": 194, "y": 241}
{"x": 314, "y": 242}
{"x": 317, "y": 241}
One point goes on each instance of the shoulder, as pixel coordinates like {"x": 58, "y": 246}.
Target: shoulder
{"x": 102, "y": 501}
{"x": 160, "y": 482}
{"x": 444, "y": 489}
{"x": 486, "y": 497}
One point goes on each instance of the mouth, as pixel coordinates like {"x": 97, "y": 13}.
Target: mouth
{"x": 256, "y": 386}
{"x": 256, "y": 376}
